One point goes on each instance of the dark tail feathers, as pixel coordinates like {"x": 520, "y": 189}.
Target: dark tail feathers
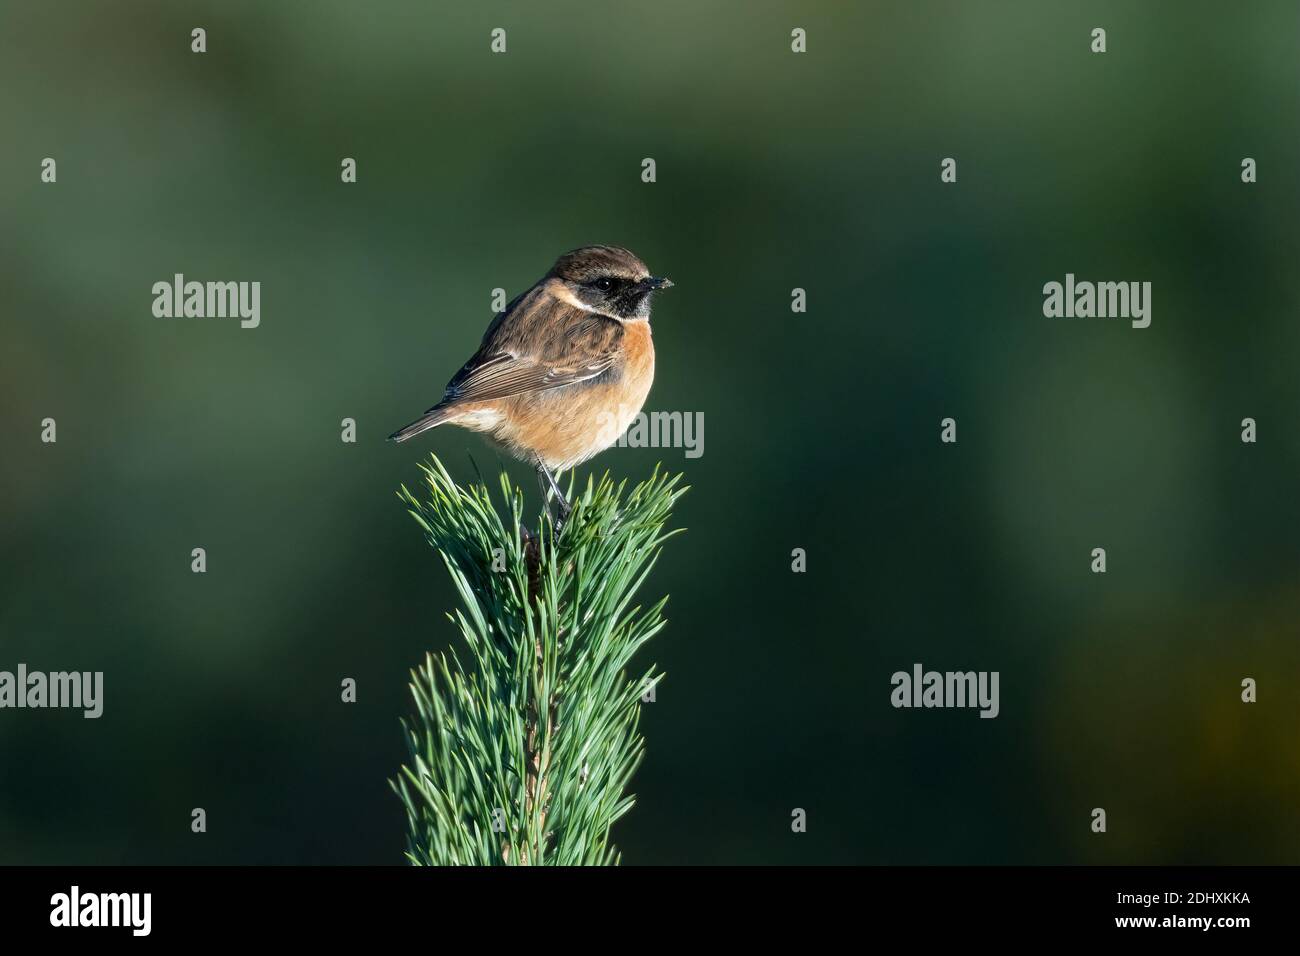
{"x": 431, "y": 419}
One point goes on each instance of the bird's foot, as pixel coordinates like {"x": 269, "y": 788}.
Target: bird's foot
{"x": 564, "y": 509}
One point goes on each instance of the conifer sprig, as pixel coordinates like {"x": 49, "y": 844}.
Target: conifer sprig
{"x": 521, "y": 751}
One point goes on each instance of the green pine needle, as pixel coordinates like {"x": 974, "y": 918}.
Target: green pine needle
{"x": 521, "y": 752}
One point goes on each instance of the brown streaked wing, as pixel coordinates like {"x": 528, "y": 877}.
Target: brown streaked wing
{"x": 502, "y": 375}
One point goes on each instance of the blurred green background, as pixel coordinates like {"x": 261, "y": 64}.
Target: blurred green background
{"x": 775, "y": 170}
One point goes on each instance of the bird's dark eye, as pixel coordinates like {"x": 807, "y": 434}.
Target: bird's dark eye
{"x": 604, "y": 283}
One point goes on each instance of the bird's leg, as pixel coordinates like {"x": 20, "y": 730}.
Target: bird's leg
{"x": 565, "y": 507}
{"x": 551, "y": 486}
{"x": 545, "y": 489}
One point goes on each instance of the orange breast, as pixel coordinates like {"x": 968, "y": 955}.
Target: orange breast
{"x": 639, "y": 368}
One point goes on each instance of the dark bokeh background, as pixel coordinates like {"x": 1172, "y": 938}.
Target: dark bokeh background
{"x": 822, "y": 430}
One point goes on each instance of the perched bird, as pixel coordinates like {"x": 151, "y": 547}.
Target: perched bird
{"x": 563, "y": 370}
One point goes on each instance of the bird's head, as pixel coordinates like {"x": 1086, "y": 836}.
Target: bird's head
{"x": 608, "y": 280}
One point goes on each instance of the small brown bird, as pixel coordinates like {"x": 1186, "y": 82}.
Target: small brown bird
{"x": 563, "y": 370}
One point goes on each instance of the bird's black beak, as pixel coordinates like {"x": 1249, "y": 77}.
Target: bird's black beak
{"x": 654, "y": 283}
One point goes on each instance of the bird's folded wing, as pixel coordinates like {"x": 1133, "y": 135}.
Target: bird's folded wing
{"x": 503, "y": 374}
